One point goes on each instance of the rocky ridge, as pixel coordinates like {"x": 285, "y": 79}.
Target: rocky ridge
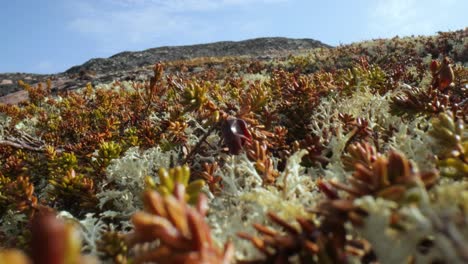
{"x": 122, "y": 65}
{"x": 253, "y": 47}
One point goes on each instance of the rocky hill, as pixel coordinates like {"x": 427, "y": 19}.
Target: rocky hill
{"x": 122, "y": 64}
{"x": 253, "y": 47}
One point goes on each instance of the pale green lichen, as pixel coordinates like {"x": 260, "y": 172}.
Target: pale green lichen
{"x": 127, "y": 176}
{"x": 244, "y": 201}
{"x": 411, "y": 140}
{"x": 425, "y": 231}
{"x": 91, "y": 228}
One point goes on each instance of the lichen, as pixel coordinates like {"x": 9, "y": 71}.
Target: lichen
{"x": 127, "y": 175}
{"x": 424, "y": 232}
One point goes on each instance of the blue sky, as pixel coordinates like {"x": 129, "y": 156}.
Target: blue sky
{"x": 50, "y": 36}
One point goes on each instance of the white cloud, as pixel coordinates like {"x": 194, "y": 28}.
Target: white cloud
{"x": 119, "y": 29}
{"x": 190, "y": 5}
{"x": 117, "y": 24}
{"x": 404, "y": 17}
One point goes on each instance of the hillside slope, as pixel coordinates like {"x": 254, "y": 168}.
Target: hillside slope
{"x": 252, "y": 47}
{"x": 105, "y": 69}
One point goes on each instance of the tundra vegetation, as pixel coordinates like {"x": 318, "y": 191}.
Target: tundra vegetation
{"x": 353, "y": 154}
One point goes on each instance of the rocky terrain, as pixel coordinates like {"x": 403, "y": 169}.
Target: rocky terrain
{"x": 253, "y": 47}
{"x": 128, "y": 64}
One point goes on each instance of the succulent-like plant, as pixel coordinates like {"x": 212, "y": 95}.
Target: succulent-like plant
{"x": 18, "y": 195}
{"x": 183, "y": 235}
{"x": 257, "y": 98}
{"x": 74, "y": 192}
{"x": 106, "y": 153}
{"x": 59, "y": 163}
{"x": 448, "y": 132}
{"x": 359, "y": 153}
{"x": 418, "y": 100}
{"x": 257, "y": 153}
{"x": 213, "y": 181}
{"x": 386, "y": 177}
{"x": 455, "y": 166}
{"x": 38, "y": 93}
{"x": 325, "y": 242}
{"x": 334, "y": 213}
{"x": 113, "y": 246}
{"x": 364, "y": 75}
{"x": 169, "y": 179}
{"x": 195, "y": 96}
{"x": 279, "y": 247}
{"x": 176, "y": 132}
{"x": 14, "y": 164}
{"x": 452, "y": 138}
{"x": 315, "y": 150}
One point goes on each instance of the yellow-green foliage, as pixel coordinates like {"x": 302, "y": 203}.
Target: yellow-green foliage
{"x": 180, "y": 174}
{"x": 455, "y": 167}
{"x": 361, "y": 76}
{"x": 59, "y": 163}
{"x": 106, "y": 153}
{"x": 72, "y": 188}
{"x": 195, "y": 96}
{"x": 447, "y": 132}
{"x": 452, "y": 142}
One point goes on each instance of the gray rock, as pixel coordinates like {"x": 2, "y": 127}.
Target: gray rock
{"x": 260, "y": 47}
{"x": 132, "y": 65}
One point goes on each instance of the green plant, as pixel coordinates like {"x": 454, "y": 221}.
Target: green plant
{"x": 73, "y": 192}
{"x": 451, "y": 136}
{"x": 169, "y": 179}
{"x": 106, "y": 153}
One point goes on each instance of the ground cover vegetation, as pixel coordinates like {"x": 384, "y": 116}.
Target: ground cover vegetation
{"x": 353, "y": 154}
